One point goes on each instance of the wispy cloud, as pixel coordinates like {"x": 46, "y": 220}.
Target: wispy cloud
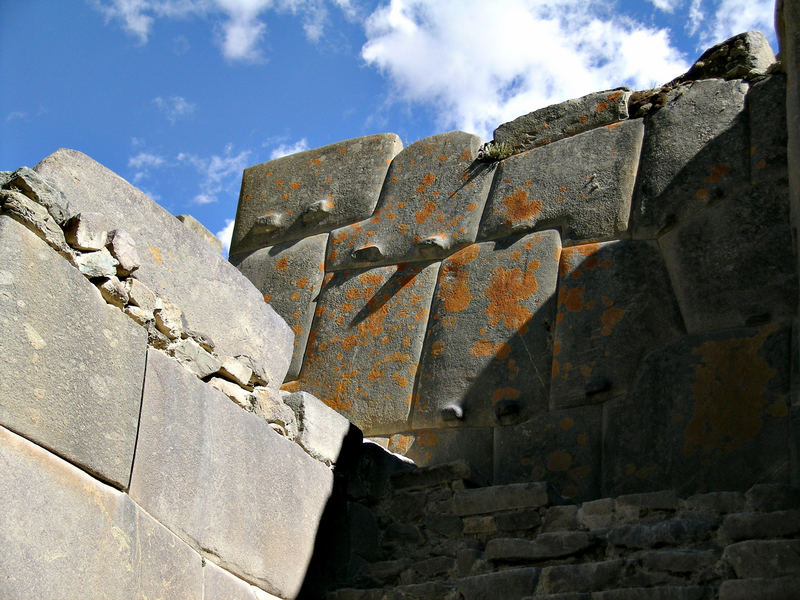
{"x": 225, "y": 235}
{"x": 729, "y": 17}
{"x": 286, "y": 149}
{"x": 174, "y": 107}
{"x": 219, "y": 173}
{"x": 667, "y": 6}
{"x": 16, "y": 115}
{"x": 143, "y": 162}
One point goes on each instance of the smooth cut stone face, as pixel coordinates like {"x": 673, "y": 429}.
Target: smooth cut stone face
{"x": 290, "y": 277}
{"x": 69, "y": 536}
{"x": 225, "y": 482}
{"x": 488, "y": 346}
{"x": 560, "y": 447}
{"x": 685, "y": 166}
{"x": 732, "y": 265}
{"x": 311, "y": 192}
{"x": 218, "y": 584}
{"x": 176, "y": 264}
{"x": 614, "y": 304}
{"x": 74, "y": 364}
{"x": 430, "y": 206}
{"x": 365, "y": 344}
{"x": 582, "y": 185}
{"x": 768, "y": 140}
{"x": 707, "y": 412}
{"x": 566, "y": 119}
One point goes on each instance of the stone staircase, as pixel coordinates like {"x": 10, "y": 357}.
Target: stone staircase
{"x": 444, "y": 535}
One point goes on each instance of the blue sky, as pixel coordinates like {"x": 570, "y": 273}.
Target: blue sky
{"x": 179, "y": 96}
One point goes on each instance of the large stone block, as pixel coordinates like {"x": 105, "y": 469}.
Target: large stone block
{"x": 430, "y": 206}
{"x": 766, "y": 103}
{"x": 707, "y": 412}
{"x": 560, "y": 447}
{"x": 582, "y": 185}
{"x": 322, "y": 432}
{"x": 558, "y": 121}
{"x": 695, "y": 151}
{"x": 614, "y": 304}
{"x": 229, "y": 485}
{"x": 311, "y": 192}
{"x": 218, "y": 584}
{"x": 488, "y": 349}
{"x": 73, "y": 365}
{"x": 290, "y": 277}
{"x": 216, "y": 298}
{"x": 366, "y": 341}
{"x": 733, "y": 264}
{"x": 66, "y": 535}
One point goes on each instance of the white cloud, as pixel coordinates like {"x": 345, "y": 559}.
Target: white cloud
{"x": 143, "y": 162}
{"x": 667, "y": 6}
{"x": 493, "y": 65}
{"x": 735, "y": 16}
{"x": 286, "y": 149}
{"x": 219, "y": 173}
{"x": 696, "y": 17}
{"x": 174, "y": 107}
{"x": 225, "y": 235}
{"x": 16, "y": 115}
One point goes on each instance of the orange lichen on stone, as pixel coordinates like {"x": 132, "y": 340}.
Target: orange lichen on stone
{"x": 614, "y": 96}
{"x": 400, "y": 443}
{"x": 507, "y": 288}
{"x": 610, "y": 319}
{"x": 437, "y": 347}
{"x": 295, "y": 185}
{"x": 267, "y": 297}
{"x": 506, "y": 393}
{"x": 302, "y": 282}
{"x": 518, "y": 208}
{"x": 601, "y": 107}
{"x": 295, "y": 296}
{"x": 282, "y": 264}
{"x": 559, "y": 461}
{"x": 572, "y": 299}
{"x": 484, "y": 347}
{"x": 423, "y": 215}
{"x": 567, "y": 423}
{"x": 156, "y": 252}
{"x": 718, "y": 171}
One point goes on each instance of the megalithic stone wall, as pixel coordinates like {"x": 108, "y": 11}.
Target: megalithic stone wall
{"x": 602, "y": 296}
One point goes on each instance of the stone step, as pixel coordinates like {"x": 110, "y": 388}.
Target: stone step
{"x": 545, "y": 546}
{"x": 497, "y": 498}
{"x": 435, "y": 475}
{"x": 668, "y": 592}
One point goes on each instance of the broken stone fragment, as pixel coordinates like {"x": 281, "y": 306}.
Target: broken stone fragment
{"x": 206, "y": 343}
{"x": 235, "y": 371}
{"x": 270, "y": 407}
{"x": 141, "y": 295}
{"x": 123, "y": 248}
{"x": 32, "y": 185}
{"x": 5, "y": 177}
{"x": 87, "y": 231}
{"x": 743, "y": 56}
{"x": 140, "y": 315}
{"x": 197, "y": 227}
{"x": 321, "y": 430}
{"x": 240, "y": 396}
{"x": 169, "y": 318}
{"x": 193, "y": 357}
{"x": 97, "y": 264}
{"x": 113, "y": 291}
{"x": 36, "y": 218}
{"x": 259, "y": 376}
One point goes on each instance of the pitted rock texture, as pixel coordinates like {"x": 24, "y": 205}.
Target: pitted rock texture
{"x": 487, "y": 352}
{"x": 430, "y": 206}
{"x": 311, "y": 192}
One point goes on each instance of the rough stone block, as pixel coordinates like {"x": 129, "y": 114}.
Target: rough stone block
{"x": 290, "y": 277}
{"x": 240, "y": 396}
{"x": 31, "y": 184}
{"x": 661, "y": 500}
{"x": 767, "y": 588}
{"x": 322, "y": 432}
{"x": 707, "y": 412}
{"x": 679, "y": 561}
{"x": 218, "y": 584}
{"x": 743, "y": 55}
{"x": 113, "y": 291}
{"x": 140, "y": 295}
{"x": 199, "y": 229}
{"x": 545, "y": 546}
{"x": 764, "y": 558}
{"x": 560, "y": 518}
{"x": 74, "y": 365}
{"x": 311, "y": 192}
{"x": 511, "y": 583}
{"x": 582, "y": 185}
{"x": 487, "y": 352}
{"x": 671, "y": 532}
{"x": 216, "y": 298}
{"x": 430, "y": 206}
{"x": 685, "y": 167}
{"x": 194, "y": 358}
{"x": 766, "y": 103}
{"x": 225, "y": 482}
{"x": 733, "y": 265}
{"x": 123, "y": 248}
{"x": 68, "y": 536}
{"x": 501, "y": 497}
{"x": 97, "y": 264}
{"x": 585, "y": 577}
{"x": 615, "y": 303}
{"x": 35, "y": 218}
{"x": 432, "y": 476}
{"x": 87, "y": 231}
{"x": 560, "y": 447}
{"x": 597, "y": 514}
{"x": 780, "y": 523}
{"x": 715, "y": 502}
{"x": 665, "y": 592}
{"x": 364, "y": 348}
{"x": 772, "y": 496}
{"x": 558, "y": 121}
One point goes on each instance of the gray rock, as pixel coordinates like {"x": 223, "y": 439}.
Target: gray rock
{"x": 675, "y": 404}
{"x": 439, "y": 446}
{"x": 430, "y": 206}
{"x": 433, "y": 476}
{"x": 36, "y": 218}
{"x": 235, "y": 370}
{"x": 123, "y": 248}
{"x": 113, "y": 291}
{"x": 766, "y": 105}
{"x": 666, "y": 500}
{"x": 780, "y": 523}
{"x": 69, "y": 536}
{"x": 199, "y": 229}
{"x": 41, "y": 191}
{"x": 715, "y": 502}
{"x": 684, "y": 166}
{"x": 240, "y": 396}
{"x": 97, "y": 264}
{"x": 492, "y": 311}
{"x": 558, "y": 121}
{"x": 560, "y": 518}
{"x": 140, "y": 316}
{"x": 679, "y": 561}
{"x": 140, "y": 295}
{"x": 87, "y": 231}
{"x": 597, "y": 514}
{"x": 77, "y": 363}
{"x": 206, "y": 343}
{"x": 321, "y": 430}
{"x": 744, "y": 55}
{"x": 225, "y": 482}
{"x": 311, "y": 192}
{"x": 544, "y": 546}
{"x": 193, "y": 357}
{"x": 764, "y": 558}
{"x": 169, "y": 318}
{"x": 665, "y": 592}
{"x": 270, "y": 407}
{"x": 766, "y": 588}
{"x": 671, "y": 532}
{"x": 501, "y": 497}
{"x": 289, "y": 276}
{"x": 585, "y": 577}
{"x": 176, "y": 264}
{"x": 512, "y": 583}
{"x": 773, "y": 496}
{"x": 583, "y": 185}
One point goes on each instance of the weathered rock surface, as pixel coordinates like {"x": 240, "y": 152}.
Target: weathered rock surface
{"x": 77, "y": 364}
{"x": 99, "y": 263}
{"x": 492, "y": 312}
{"x": 87, "y": 231}
{"x": 225, "y": 482}
{"x": 440, "y": 446}
{"x": 123, "y": 248}
{"x": 766, "y": 103}
{"x": 429, "y": 207}
{"x": 31, "y": 184}
{"x": 322, "y": 432}
{"x": 742, "y": 56}
{"x": 558, "y": 121}
{"x": 289, "y": 276}
{"x": 582, "y": 184}
{"x": 74, "y": 537}
{"x": 199, "y": 229}
{"x": 311, "y": 192}
{"x": 176, "y": 264}
{"x": 36, "y": 218}
{"x": 218, "y": 584}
